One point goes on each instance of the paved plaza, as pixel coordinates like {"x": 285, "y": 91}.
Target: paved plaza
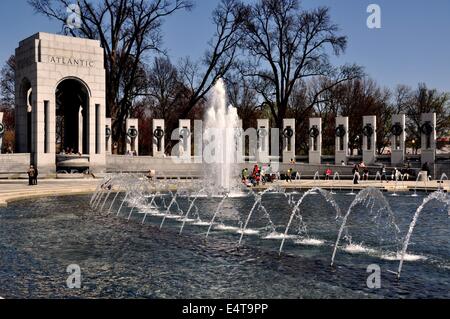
{"x": 14, "y": 190}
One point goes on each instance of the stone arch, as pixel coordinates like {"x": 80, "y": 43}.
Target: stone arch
{"x": 72, "y": 100}
{"x": 75, "y": 78}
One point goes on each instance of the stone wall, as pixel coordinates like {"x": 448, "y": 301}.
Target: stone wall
{"x": 166, "y": 167}
{"x": 14, "y": 164}
{"x": 43, "y": 62}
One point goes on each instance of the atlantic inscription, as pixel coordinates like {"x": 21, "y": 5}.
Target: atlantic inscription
{"x": 71, "y": 61}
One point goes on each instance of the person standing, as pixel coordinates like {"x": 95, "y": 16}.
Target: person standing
{"x": 31, "y": 175}
{"x": 36, "y": 174}
{"x": 328, "y": 173}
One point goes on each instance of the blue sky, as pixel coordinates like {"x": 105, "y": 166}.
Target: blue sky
{"x": 412, "y": 46}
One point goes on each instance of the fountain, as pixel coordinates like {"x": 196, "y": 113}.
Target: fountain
{"x": 219, "y": 208}
{"x": 186, "y": 217}
{"x": 296, "y": 211}
{"x": 441, "y": 181}
{"x": 221, "y": 123}
{"x": 438, "y": 196}
{"x": 355, "y": 176}
{"x": 154, "y": 198}
{"x": 336, "y": 176}
{"x": 383, "y": 218}
{"x": 257, "y": 205}
{"x": 419, "y": 175}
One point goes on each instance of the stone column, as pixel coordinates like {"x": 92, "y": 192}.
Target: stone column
{"x": 342, "y": 134}
{"x": 240, "y": 143}
{"x": 159, "y": 138}
{"x": 132, "y": 127}
{"x": 198, "y": 141}
{"x": 369, "y": 139}
{"x": 80, "y": 131}
{"x": 43, "y": 126}
{"x": 263, "y": 136}
{"x": 185, "y": 145}
{"x": 315, "y": 141}
{"x": 428, "y": 138}
{"x": 398, "y": 139}
{"x": 97, "y": 134}
{"x": 288, "y": 140}
{"x": 108, "y": 136}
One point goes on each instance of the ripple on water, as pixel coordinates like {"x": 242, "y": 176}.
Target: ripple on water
{"x": 203, "y": 224}
{"x": 279, "y": 236}
{"x": 310, "y": 242}
{"x": 361, "y": 249}
{"x": 398, "y": 257}
{"x": 227, "y": 228}
{"x": 358, "y": 249}
{"x": 249, "y": 232}
{"x": 176, "y": 217}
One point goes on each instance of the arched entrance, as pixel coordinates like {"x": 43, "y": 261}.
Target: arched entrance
{"x": 72, "y": 117}
{"x": 60, "y": 102}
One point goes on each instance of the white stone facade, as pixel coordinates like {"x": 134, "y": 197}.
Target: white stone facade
{"x": 132, "y": 141}
{"x": 263, "y": 134}
{"x": 369, "y": 139}
{"x": 288, "y": 141}
{"x": 341, "y": 153}
{"x": 428, "y": 141}
{"x": 315, "y": 143}
{"x": 185, "y": 144}
{"x": 159, "y": 144}
{"x": 43, "y": 62}
{"x": 398, "y": 143}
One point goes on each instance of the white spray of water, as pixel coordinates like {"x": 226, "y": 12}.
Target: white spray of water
{"x": 438, "y": 196}
{"x": 221, "y": 122}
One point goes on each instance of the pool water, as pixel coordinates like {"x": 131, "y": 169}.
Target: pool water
{"x": 40, "y": 238}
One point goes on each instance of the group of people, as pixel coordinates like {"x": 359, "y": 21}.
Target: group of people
{"x": 69, "y": 151}
{"x": 403, "y": 174}
{"x": 360, "y": 171}
{"x": 259, "y": 175}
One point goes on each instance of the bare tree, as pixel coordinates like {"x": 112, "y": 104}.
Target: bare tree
{"x": 242, "y": 95}
{"x": 200, "y": 77}
{"x": 290, "y": 45}
{"x": 7, "y": 102}
{"x": 165, "y": 89}
{"x": 7, "y": 82}
{"x": 426, "y": 100}
{"x": 166, "y": 95}
{"x": 128, "y": 30}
